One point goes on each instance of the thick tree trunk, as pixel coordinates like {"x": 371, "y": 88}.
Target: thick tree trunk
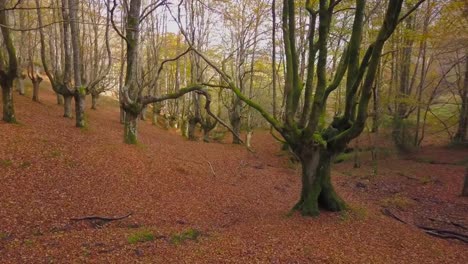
{"x": 317, "y": 189}
{"x": 80, "y": 104}
{"x": 7, "y": 99}
{"x": 35, "y": 84}
{"x": 94, "y": 101}
{"x": 67, "y": 106}
{"x": 130, "y": 130}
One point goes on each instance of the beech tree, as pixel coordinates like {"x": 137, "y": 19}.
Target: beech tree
{"x": 314, "y": 141}
{"x": 8, "y": 66}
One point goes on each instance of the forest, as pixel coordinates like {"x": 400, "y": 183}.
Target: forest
{"x": 243, "y": 131}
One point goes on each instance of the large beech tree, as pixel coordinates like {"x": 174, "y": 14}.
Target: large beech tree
{"x": 314, "y": 141}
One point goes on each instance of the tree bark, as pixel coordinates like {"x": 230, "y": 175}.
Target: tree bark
{"x": 235, "y": 119}
{"x": 192, "y": 124}
{"x": 7, "y": 99}
{"x": 317, "y": 189}
{"x": 59, "y": 99}
{"x": 35, "y": 84}
{"x": 461, "y": 135}
{"x": 80, "y": 99}
{"x": 20, "y": 84}
{"x": 67, "y": 106}
{"x": 130, "y": 130}
{"x": 94, "y": 101}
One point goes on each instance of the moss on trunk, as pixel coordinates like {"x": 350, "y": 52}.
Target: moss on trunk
{"x": 317, "y": 188}
{"x": 130, "y": 130}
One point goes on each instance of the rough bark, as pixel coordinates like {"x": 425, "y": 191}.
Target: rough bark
{"x": 317, "y": 189}
{"x": 67, "y": 106}
{"x": 7, "y": 99}
{"x": 130, "y": 130}
{"x": 59, "y": 99}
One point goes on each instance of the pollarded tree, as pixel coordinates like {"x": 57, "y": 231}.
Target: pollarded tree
{"x": 133, "y": 101}
{"x": 310, "y": 138}
{"x": 8, "y": 66}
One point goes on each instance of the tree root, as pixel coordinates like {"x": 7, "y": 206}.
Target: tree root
{"x": 445, "y": 234}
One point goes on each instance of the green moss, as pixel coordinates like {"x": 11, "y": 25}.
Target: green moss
{"x": 140, "y": 236}
{"x": 319, "y": 139}
{"x": 397, "y": 201}
{"x": 353, "y": 213}
{"x": 82, "y": 90}
{"x": 6, "y": 163}
{"x": 190, "y": 234}
{"x": 25, "y": 164}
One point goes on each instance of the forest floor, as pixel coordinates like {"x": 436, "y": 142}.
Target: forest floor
{"x": 195, "y": 202}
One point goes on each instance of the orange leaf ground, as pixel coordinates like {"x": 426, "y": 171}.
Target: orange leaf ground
{"x": 51, "y": 171}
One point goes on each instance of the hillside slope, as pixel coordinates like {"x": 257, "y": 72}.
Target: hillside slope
{"x": 239, "y": 201}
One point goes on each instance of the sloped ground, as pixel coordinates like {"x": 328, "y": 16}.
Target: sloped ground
{"x": 51, "y": 171}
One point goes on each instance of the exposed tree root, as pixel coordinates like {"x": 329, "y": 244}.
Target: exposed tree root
{"x": 446, "y": 234}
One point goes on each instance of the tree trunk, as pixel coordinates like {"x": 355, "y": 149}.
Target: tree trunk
{"x": 143, "y": 114}
{"x": 154, "y": 115}
{"x": 465, "y": 185}
{"x": 20, "y": 85}
{"x": 130, "y": 130}
{"x": 192, "y": 124}
{"x": 317, "y": 189}
{"x": 122, "y": 115}
{"x": 236, "y": 124}
{"x": 80, "y": 103}
{"x": 461, "y": 135}
{"x": 35, "y": 84}
{"x": 206, "y": 135}
{"x": 59, "y": 99}
{"x": 67, "y": 106}
{"x": 8, "y": 107}
{"x": 94, "y": 101}
{"x": 248, "y": 140}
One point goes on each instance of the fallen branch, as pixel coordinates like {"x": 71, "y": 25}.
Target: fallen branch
{"x": 100, "y": 218}
{"x": 211, "y": 167}
{"x": 444, "y": 233}
{"x": 448, "y": 222}
{"x": 389, "y": 213}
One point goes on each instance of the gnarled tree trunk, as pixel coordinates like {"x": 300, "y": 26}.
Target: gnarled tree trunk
{"x": 317, "y": 189}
